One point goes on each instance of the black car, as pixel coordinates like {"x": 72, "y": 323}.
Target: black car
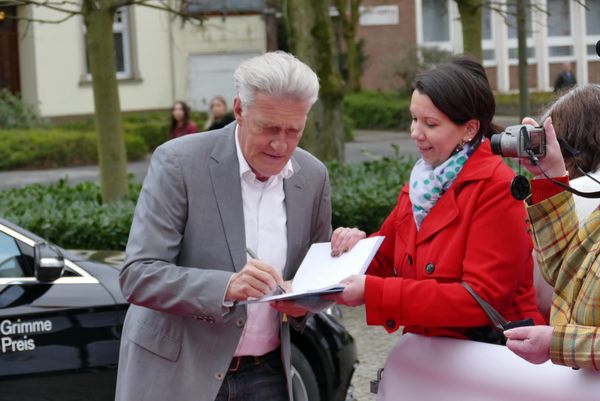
{"x": 61, "y": 321}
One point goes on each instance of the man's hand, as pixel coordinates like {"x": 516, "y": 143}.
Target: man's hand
{"x": 354, "y": 293}
{"x": 553, "y": 163}
{"x": 343, "y": 239}
{"x": 255, "y": 280}
{"x": 531, "y": 343}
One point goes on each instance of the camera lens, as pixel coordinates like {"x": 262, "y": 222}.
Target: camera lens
{"x": 496, "y": 144}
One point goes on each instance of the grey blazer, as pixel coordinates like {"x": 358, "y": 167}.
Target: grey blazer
{"x": 186, "y": 240}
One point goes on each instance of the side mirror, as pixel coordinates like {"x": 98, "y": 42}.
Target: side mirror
{"x": 49, "y": 262}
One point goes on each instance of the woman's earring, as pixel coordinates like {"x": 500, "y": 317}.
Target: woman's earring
{"x": 462, "y": 144}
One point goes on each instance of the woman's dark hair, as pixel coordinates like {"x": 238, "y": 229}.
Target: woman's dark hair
{"x": 186, "y": 114}
{"x": 576, "y": 119}
{"x": 460, "y": 89}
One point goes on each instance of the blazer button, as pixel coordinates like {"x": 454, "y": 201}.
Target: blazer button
{"x": 410, "y": 261}
{"x": 240, "y": 322}
{"x": 390, "y": 323}
{"x": 429, "y": 268}
{"x": 219, "y": 376}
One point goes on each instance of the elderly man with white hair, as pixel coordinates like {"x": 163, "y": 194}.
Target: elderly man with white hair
{"x": 207, "y": 199}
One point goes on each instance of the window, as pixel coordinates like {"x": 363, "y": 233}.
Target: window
{"x": 487, "y": 43}
{"x": 560, "y": 39}
{"x": 559, "y": 18}
{"x": 121, "y": 35}
{"x": 10, "y": 258}
{"x": 436, "y": 21}
{"x": 592, "y": 18}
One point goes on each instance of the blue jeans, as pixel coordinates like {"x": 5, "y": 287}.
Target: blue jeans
{"x": 263, "y": 381}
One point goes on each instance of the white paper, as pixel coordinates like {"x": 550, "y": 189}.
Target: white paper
{"x": 320, "y": 273}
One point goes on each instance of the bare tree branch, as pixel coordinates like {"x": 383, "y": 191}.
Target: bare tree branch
{"x": 43, "y": 21}
{"x": 60, "y": 6}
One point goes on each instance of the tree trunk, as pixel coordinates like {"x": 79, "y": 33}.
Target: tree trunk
{"x": 522, "y": 43}
{"x": 349, "y": 11}
{"x": 470, "y": 17}
{"x": 310, "y": 38}
{"x": 112, "y": 158}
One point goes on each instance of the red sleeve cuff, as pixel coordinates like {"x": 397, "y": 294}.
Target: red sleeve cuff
{"x": 382, "y": 302}
{"x": 374, "y": 300}
{"x": 544, "y": 188}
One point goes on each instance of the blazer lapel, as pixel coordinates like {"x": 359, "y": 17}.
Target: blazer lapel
{"x": 225, "y": 177}
{"x": 295, "y": 206}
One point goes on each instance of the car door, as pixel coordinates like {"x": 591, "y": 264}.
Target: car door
{"x": 58, "y": 340}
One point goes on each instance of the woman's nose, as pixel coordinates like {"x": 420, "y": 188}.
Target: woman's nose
{"x": 415, "y": 130}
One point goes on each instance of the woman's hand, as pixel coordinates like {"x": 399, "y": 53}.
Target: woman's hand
{"x": 553, "y": 163}
{"x": 531, "y": 343}
{"x": 344, "y": 239}
{"x": 354, "y": 293}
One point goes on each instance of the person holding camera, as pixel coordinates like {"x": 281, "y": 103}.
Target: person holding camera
{"x": 454, "y": 222}
{"x": 567, "y": 251}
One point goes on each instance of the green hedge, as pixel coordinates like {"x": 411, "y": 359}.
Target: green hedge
{"x": 73, "y": 216}
{"x": 151, "y": 126}
{"x": 380, "y": 110}
{"x": 507, "y": 104}
{"x": 44, "y": 148}
{"x": 362, "y": 195}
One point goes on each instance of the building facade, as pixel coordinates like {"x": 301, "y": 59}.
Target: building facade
{"x": 559, "y": 31}
{"x": 159, "y": 60}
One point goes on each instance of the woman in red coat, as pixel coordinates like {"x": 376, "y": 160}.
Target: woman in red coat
{"x": 454, "y": 221}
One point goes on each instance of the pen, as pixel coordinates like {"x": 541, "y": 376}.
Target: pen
{"x": 253, "y": 255}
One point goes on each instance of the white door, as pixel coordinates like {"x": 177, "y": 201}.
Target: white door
{"x": 212, "y": 74}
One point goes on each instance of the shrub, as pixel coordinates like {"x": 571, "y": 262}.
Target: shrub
{"x": 507, "y": 104}
{"x": 15, "y": 113}
{"x": 71, "y": 216}
{"x": 151, "y": 126}
{"x": 382, "y": 110}
{"x": 362, "y": 195}
{"x": 152, "y": 133}
{"x": 56, "y": 148}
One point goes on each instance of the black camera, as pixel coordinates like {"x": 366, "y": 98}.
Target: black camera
{"x": 520, "y": 141}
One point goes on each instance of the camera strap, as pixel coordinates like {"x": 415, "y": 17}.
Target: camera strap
{"x": 498, "y": 321}
{"x": 589, "y": 195}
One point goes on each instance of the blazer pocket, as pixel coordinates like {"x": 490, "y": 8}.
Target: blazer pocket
{"x": 151, "y": 339}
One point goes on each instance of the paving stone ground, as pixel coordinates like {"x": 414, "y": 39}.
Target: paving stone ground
{"x": 373, "y": 344}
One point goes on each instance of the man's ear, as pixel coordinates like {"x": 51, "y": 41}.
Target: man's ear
{"x": 237, "y": 109}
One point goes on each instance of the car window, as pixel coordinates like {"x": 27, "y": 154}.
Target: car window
{"x": 11, "y": 260}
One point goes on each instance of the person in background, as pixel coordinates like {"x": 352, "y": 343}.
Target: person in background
{"x": 565, "y": 79}
{"x": 567, "y": 238}
{"x": 180, "y": 121}
{"x": 454, "y": 222}
{"x": 218, "y": 116}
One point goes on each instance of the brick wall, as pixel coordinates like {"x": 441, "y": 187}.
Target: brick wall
{"x": 514, "y": 76}
{"x": 384, "y": 44}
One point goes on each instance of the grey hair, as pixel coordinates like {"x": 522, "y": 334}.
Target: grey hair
{"x": 275, "y": 74}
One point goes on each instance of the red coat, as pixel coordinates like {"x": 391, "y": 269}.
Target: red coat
{"x": 475, "y": 233}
